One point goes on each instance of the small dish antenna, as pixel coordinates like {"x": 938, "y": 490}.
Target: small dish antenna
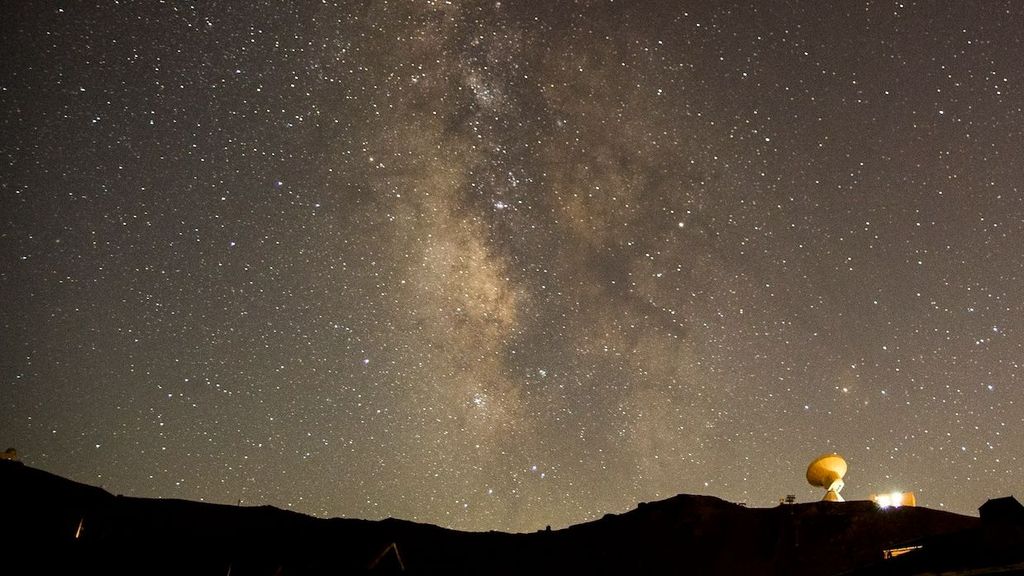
{"x": 827, "y": 472}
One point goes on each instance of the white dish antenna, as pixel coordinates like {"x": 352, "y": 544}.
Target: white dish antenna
{"x": 827, "y": 472}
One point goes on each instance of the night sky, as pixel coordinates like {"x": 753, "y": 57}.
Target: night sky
{"x": 502, "y": 265}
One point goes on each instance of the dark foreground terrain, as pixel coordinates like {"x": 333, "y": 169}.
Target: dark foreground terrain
{"x": 50, "y": 525}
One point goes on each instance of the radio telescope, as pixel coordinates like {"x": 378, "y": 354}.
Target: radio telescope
{"x": 827, "y": 472}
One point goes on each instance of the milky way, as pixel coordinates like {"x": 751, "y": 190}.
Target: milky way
{"x": 502, "y": 265}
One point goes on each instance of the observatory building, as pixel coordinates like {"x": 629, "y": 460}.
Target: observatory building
{"x": 827, "y": 472}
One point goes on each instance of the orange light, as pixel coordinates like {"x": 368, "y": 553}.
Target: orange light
{"x": 895, "y": 499}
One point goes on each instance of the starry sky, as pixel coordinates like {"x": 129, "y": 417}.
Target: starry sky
{"x": 502, "y": 265}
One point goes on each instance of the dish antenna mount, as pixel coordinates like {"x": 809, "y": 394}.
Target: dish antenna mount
{"x": 827, "y": 472}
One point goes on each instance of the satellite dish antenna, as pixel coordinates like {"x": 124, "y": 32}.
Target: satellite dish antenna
{"x": 827, "y": 472}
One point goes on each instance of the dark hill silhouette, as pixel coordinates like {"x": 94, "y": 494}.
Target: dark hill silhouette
{"x": 81, "y": 529}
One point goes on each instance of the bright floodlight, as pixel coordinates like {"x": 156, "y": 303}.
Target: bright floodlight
{"x": 895, "y": 499}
